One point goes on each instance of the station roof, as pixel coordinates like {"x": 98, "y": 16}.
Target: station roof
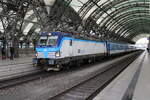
{"x": 125, "y": 18}
{"x": 128, "y": 18}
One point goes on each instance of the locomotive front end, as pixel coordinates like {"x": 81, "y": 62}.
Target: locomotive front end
{"x": 47, "y": 51}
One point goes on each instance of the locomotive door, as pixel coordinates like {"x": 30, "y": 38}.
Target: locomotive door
{"x": 107, "y": 48}
{"x": 71, "y": 48}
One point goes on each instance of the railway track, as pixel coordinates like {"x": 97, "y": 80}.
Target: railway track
{"x": 16, "y": 70}
{"x": 88, "y": 89}
{"x": 23, "y": 79}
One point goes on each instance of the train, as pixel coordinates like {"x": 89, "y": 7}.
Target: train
{"x": 56, "y": 49}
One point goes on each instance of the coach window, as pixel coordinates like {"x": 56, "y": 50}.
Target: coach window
{"x": 70, "y": 42}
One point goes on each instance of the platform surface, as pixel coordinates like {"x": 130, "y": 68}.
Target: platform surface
{"x": 7, "y": 61}
{"x": 142, "y": 90}
{"x": 133, "y": 83}
{"x": 18, "y": 66}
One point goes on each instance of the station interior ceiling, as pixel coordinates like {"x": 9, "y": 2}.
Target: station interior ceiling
{"x": 114, "y": 20}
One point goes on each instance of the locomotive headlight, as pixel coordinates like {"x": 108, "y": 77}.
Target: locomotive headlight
{"x": 49, "y": 33}
{"x": 36, "y": 54}
{"x": 57, "y": 54}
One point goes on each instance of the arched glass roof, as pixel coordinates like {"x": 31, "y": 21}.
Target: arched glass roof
{"x": 126, "y": 19}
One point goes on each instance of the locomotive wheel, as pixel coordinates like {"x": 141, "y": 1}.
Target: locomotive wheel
{"x": 58, "y": 67}
{"x": 66, "y": 66}
{"x": 78, "y": 63}
{"x": 90, "y": 61}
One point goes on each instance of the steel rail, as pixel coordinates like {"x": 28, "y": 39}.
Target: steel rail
{"x": 23, "y": 79}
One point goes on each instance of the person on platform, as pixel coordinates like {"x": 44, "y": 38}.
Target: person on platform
{"x": 3, "y": 53}
{"x": 148, "y": 50}
{"x": 12, "y": 51}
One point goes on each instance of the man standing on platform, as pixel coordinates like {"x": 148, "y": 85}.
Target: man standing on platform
{"x": 3, "y": 53}
{"x": 12, "y": 53}
{"x": 147, "y": 49}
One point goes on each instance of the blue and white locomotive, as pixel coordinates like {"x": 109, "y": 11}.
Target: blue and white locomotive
{"x": 57, "y": 48}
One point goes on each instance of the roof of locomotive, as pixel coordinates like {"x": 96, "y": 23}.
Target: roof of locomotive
{"x": 76, "y": 35}
{"x": 55, "y": 33}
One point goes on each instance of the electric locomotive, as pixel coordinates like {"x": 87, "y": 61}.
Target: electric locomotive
{"x": 55, "y": 49}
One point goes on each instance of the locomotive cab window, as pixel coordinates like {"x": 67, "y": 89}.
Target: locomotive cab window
{"x": 43, "y": 40}
{"x": 48, "y": 40}
{"x": 52, "y": 40}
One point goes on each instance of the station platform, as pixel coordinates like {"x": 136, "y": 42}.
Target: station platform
{"x": 132, "y": 84}
{"x": 19, "y": 60}
{"x": 25, "y": 55}
{"x": 16, "y": 67}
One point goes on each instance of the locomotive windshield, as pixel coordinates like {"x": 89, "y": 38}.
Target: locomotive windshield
{"x": 52, "y": 40}
{"x": 48, "y": 40}
{"x": 43, "y": 40}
